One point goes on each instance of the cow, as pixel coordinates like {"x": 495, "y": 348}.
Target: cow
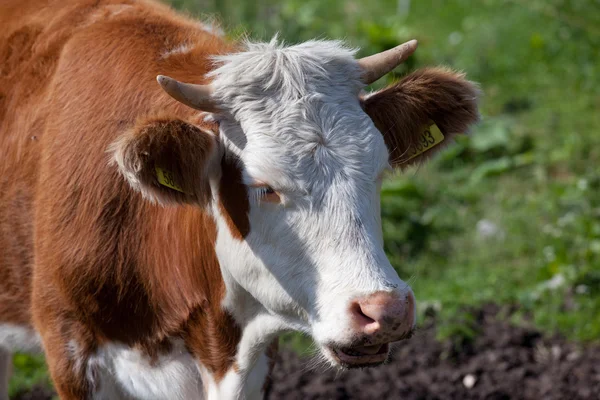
{"x": 157, "y": 238}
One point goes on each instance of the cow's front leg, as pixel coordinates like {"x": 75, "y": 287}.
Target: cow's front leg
{"x": 236, "y": 383}
{"x": 67, "y": 346}
{"x": 248, "y": 378}
{"x": 231, "y": 358}
{"x": 212, "y": 336}
{"x": 246, "y": 384}
{"x": 67, "y": 365}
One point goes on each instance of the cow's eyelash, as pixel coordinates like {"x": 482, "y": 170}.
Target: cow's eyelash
{"x": 264, "y": 190}
{"x": 264, "y": 193}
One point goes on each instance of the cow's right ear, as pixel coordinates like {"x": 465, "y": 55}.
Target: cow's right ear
{"x": 168, "y": 160}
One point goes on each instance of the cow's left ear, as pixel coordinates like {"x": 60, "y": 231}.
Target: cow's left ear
{"x": 168, "y": 160}
{"x": 423, "y": 112}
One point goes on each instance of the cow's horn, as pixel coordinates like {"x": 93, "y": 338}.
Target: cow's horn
{"x": 195, "y": 96}
{"x": 375, "y": 66}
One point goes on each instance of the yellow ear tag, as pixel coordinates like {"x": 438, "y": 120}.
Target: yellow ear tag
{"x": 430, "y": 137}
{"x": 167, "y": 178}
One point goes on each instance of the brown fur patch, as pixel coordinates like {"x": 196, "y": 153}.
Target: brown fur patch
{"x": 234, "y": 199}
{"x": 400, "y": 111}
{"x": 213, "y": 338}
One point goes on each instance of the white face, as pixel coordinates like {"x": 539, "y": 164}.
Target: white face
{"x": 313, "y": 163}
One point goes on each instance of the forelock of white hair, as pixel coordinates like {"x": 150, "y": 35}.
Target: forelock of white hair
{"x": 287, "y": 72}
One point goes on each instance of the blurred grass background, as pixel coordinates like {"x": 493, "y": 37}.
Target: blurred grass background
{"x": 509, "y": 215}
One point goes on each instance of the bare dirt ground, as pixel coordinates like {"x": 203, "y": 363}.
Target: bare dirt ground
{"x": 502, "y": 362}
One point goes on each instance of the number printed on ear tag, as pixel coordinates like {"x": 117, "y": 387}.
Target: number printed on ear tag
{"x": 430, "y": 137}
{"x": 166, "y": 178}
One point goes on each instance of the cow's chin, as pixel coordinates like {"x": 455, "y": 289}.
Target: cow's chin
{"x": 357, "y": 356}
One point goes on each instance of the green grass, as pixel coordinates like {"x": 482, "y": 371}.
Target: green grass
{"x": 530, "y": 168}
{"x": 28, "y": 371}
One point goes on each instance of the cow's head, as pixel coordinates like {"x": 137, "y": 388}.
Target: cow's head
{"x": 303, "y": 238}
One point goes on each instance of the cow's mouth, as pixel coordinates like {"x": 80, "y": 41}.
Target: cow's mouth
{"x": 360, "y": 356}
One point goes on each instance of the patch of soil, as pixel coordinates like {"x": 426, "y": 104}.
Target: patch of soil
{"x": 501, "y": 362}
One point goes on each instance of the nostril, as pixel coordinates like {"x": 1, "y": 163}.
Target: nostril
{"x": 359, "y": 314}
{"x": 384, "y": 314}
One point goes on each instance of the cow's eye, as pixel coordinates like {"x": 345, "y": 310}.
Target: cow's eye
{"x": 266, "y": 193}
{"x": 270, "y": 195}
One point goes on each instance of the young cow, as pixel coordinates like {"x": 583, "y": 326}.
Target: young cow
{"x": 154, "y": 244}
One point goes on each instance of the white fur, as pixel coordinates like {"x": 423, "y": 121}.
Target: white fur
{"x": 107, "y": 12}
{"x": 245, "y": 385}
{"x": 116, "y": 371}
{"x": 212, "y": 27}
{"x": 181, "y": 49}
{"x": 19, "y": 338}
{"x": 119, "y": 371}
